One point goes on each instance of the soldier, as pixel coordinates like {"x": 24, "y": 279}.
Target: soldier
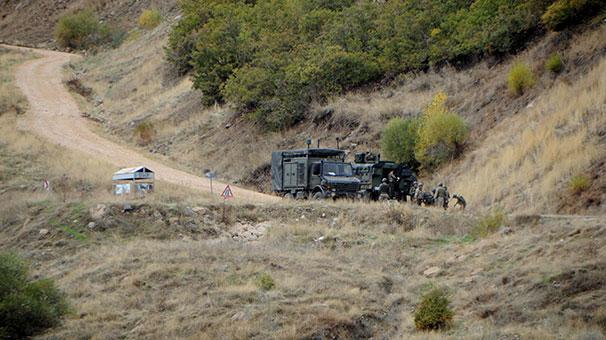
{"x": 460, "y": 201}
{"x": 383, "y": 190}
{"x": 393, "y": 180}
{"x": 441, "y": 196}
{"x": 418, "y": 196}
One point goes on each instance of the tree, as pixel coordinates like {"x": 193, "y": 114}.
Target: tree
{"x": 399, "y": 139}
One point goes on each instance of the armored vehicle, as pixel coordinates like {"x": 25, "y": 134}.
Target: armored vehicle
{"x": 313, "y": 173}
{"x": 371, "y": 170}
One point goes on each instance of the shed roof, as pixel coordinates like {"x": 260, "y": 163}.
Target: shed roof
{"x": 133, "y": 170}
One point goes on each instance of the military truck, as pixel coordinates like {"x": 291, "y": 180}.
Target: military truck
{"x": 316, "y": 173}
{"x": 371, "y": 170}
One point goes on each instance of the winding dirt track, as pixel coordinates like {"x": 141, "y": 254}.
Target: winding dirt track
{"x": 54, "y": 115}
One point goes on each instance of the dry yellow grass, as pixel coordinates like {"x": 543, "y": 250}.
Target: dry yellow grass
{"x": 531, "y": 156}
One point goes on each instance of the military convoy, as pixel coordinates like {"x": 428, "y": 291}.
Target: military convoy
{"x": 320, "y": 173}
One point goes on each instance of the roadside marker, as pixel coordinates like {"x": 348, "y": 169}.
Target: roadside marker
{"x": 227, "y": 193}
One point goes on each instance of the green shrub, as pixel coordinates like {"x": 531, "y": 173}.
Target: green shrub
{"x": 433, "y": 313}
{"x": 520, "y": 79}
{"x": 149, "y": 18}
{"x": 81, "y": 30}
{"x": 442, "y": 134}
{"x": 399, "y": 139}
{"x": 26, "y": 307}
{"x": 554, "y": 63}
{"x": 489, "y": 224}
{"x": 566, "y": 12}
{"x": 265, "y": 281}
{"x": 579, "y": 183}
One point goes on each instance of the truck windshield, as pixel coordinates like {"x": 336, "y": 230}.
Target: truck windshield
{"x": 336, "y": 169}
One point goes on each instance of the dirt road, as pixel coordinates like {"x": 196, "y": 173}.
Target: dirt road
{"x": 54, "y": 115}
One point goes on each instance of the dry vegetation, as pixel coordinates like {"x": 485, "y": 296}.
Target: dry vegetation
{"x": 175, "y": 266}
{"x": 142, "y": 89}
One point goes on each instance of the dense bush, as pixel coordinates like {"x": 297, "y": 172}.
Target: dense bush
{"x": 579, "y": 183}
{"x": 433, "y": 312}
{"x": 442, "y": 134}
{"x": 272, "y": 59}
{"x": 265, "y": 282}
{"x": 149, "y": 18}
{"x": 26, "y": 307}
{"x": 520, "y": 79}
{"x": 554, "y": 63}
{"x": 399, "y": 139}
{"x": 81, "y": 30}
{"x": 565, "y": 12}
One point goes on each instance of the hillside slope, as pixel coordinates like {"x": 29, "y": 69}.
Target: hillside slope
{"x": 143, "y": 89}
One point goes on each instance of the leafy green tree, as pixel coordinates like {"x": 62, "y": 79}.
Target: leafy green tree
{"x": 442, "y": 134}
{"x": 399, "y": 139}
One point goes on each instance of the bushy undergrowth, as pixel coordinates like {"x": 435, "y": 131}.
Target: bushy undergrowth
{"x": 442, "y": 134}
{"x": 520, "y": 79}
{"x": 489, "y": 224}
{"x": 149, "y": 18}
{"x": 26, "y": 307}
{"x": 272, "y": 59}
{"x": 83, "y": 30}
{"x": 562, "y": 13}
{"x": 579, "y": 183}
{"x": 399, "y": 139}
{"x": 265, "y": 282}
{"x": 145, "y": 132}
{"x": 554, "y": 63}
{"x": 433, "y": 313}
{"x": 430, "y": 140}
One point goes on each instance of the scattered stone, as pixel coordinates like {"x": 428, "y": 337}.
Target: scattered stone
{"x": 432, "y": 271}
{"x": 470, "y": 279}
{"x": 198, "y": 209}
{"x": 227, "y": 126}
{"x": 323, "y": 215}
{"x": 91, "y": 225}
{"x": 43, "y": 232}
{"x": 127, "y": 207}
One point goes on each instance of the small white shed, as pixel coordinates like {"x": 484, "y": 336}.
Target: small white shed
{"x": 133, "y": 180}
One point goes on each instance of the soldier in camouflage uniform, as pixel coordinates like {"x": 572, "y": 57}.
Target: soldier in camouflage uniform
{"x": 460, "y": 201}
{"x": 418, "y": 196}
{"x": 384, "y": 190}
{"x": 441, "y": 196}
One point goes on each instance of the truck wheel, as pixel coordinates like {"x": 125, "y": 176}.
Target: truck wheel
{"x": 318, "y": 196}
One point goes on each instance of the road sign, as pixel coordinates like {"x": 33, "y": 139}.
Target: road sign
{"x": 227, "y": 194}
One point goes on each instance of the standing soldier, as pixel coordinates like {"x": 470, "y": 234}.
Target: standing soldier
{"x": 419, "y": 193}
{"x": 441, "y": 196}
{"x": 393, "y": 180}
{"x": 460, "y": 201}
{"x": 383, "y": 190}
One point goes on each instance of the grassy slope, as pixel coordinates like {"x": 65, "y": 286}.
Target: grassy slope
{"x": 165, "y": 270}
{"x": 139, "y": 89}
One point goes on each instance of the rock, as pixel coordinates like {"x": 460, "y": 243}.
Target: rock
{"x": 188, "y": 211}
{"x": 127, "y": 207}
{"x": 199, "y": 209}
{"x": 98, "y": 212}
{"x": 432, "y": 271}
{"x": 505, "y": 231}
{"x": 43, "y": 232}
{"x": 470, "y": 279}
{"x": 91, "y": 225}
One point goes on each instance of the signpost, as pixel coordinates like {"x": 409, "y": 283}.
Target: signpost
{"x": 210, "y": 175}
